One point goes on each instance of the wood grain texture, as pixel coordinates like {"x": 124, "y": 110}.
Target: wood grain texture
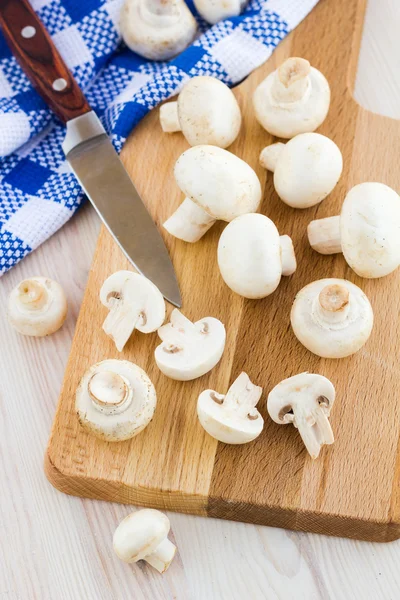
{"x": 352, "y": 490}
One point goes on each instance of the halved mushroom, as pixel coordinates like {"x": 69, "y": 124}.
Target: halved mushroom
{"x": 218, "y": 186}
{"x": 189, "y": 350}
{"x": 142, "y": 535}
{"x": 306, "y": 401}
{"x": 37, "y": 307}
{"x": 115, "y": 400}
{"x": 213, "y": 11}
{"x": 293, "y": 99}
{"x": 206, "y": 112}
{"x": 232, "y": 419}
{"x": 252, "y": 256}
{"x": 306, "y": 168}
{"x": 134, "y": 303}
{"x": 157, "y": 29}
{"x": 367, "y": 230}
{"x": 332, "y": 318}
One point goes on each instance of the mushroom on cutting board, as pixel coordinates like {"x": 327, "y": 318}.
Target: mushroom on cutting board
{"x": 218, "y": 186}
{"x": 293, "y": 99}
{"x": 232, "y": 419}
{"x": 332, "y": 318}
{"x": 189, "y": 350}
{"x": 306, "y": 401}
{"x": 142, "y": 535}
{"x": 213, "y": 11}
{"x": 134, "y": 302}
{"x": 157, "y": 29}
{"x": 115, "y": 400}
{"x": 37, "y": 307}
{"x": 252, "y": 256}
{"x": 306, "y": 168}
{"x": 206, "y": 112}
{"x": 367, "y": 230}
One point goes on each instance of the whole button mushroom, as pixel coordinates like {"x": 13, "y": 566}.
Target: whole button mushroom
{"x": 115, "y": 400}
{"x": 332, "y": 318}
{"x": 142, "y": 535}
{"x": 157, "y": 29}
{"x": 306, "y": 168}
{"x": 37, "y": 307}
{"x": 293, "y": 99}
{"x": 306, "y": 401}
{"x": 252, "y": 256}
{"x": 232, "y": 419}
{"x": 134, "y": 302}
{"x": 213, "y": 11}
{"x": 367, "y": 230}
{"x": 218, "y": 186}
{"x": 189, "y": 350}
{"x": 206, "y": 112}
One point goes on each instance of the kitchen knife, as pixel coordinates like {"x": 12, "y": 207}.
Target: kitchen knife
{"x": 88, "y": 149}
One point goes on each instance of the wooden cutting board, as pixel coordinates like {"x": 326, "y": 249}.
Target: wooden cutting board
{"x": 353, "y": 489}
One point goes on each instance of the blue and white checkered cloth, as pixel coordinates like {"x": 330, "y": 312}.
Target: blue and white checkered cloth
{"x": 38, "y": 192}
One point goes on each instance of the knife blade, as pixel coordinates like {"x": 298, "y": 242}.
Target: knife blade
{"x": 88, "y": 149}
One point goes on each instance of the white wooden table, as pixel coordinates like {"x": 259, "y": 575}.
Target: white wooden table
{"x": 55, "y": 547}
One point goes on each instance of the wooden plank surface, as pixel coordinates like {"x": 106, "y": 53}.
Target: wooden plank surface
{"x": 59, "y": 547}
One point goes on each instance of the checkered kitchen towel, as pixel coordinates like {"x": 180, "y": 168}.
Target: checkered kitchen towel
{"x": 38, "y": 193}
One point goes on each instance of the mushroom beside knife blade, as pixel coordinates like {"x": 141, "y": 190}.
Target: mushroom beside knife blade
{"x": 367, "y": 230}
{"x": 293, "y": 99}
{"x": 252, "y": 256}
{"x": 232, "y": 419}
{"x": 305, "y": 400}
{"x": 37, "y": 307}
{"x": 206, "y": 112}
{"x": 157, "y": 29}
{"x": 115, "y": 400}
{"x": 213, "y": 11}
{"x": 218, "y": 186}
{"x": 306, "y": 168}
{"x": 134, "y": 302}
{"x": 332, "y": 318}
{"x": 142, "y": 535}
{"x": 189, "y": 350}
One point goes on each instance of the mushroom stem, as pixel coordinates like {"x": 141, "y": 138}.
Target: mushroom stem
{"x": 189, "y": 222}
{"x": 332, "y": 305}
{"x": 121, "y": 322}
{"x": 324, "y": 235}
{"x": 269, "y": 156}
{"x": 242, "y": 395}
{"x": 32, "y": 294}
{"x": 291, "y": 81}
{"x": 314, "y": 428}
{"x": 109, "y": 391}
{"x": 162, "y": 556}
{"x": 288, "y": 256}
{"x": 168, "y": 8}
{"x": 169, "y": 118}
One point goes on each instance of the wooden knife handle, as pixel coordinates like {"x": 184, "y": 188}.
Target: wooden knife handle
{"x": 41, "y": 61}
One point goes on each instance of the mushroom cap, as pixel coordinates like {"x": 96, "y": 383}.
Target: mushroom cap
{"x": 139, "y": 534}
{"x": 249, "y": 256}
{"x": 308, "y": 168}
{"x": 213, "y": 11}
{"x": 46, "y": 319}
{"x": 120, "y": 423}
{"x": 333, "y": 339}
{"x": 141, "y": 293}
{"x": 218, "y": 181}
{"x": 288, "y": 119}
{"x": 370, "y": 229}
{"x": 208, "y": 112}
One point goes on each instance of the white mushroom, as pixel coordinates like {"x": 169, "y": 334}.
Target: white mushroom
{"x": 115, "y": 400}
{"x": 305, "y": 400}
{"x": 232, "y": 419}
{"x": 332, "y": 318}
{"x": 293, "y": 99}
{"x": 306, "y": 168}
{"x": 142, "y": 535}
{"x": 189, "y": 350}
{"x": 206, "y": 112}
{"x": 218, "y": 186}
{"x": 252, "y": 256}
{"x": 367, "y": 230}
{"x": 213, "y": 11}
{"x": 134, "y": 302}
{"x": 37, "y": 307}
{"x": 157, "y": 29}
